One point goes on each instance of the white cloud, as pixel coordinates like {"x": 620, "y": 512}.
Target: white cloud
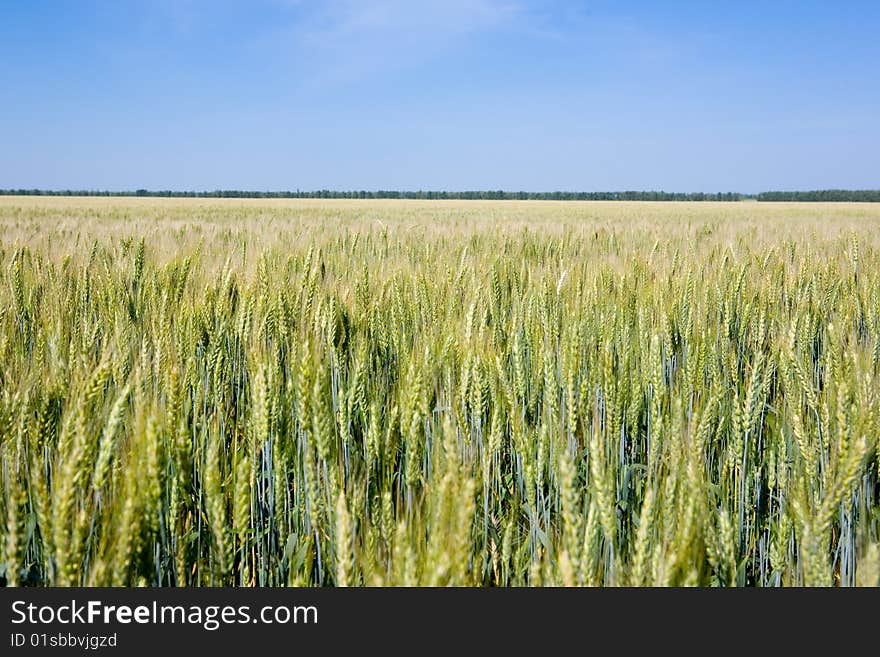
{"x": 359, "y": 18}
{"x": 346, "y": 39}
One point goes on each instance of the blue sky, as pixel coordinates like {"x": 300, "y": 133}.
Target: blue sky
{"x": 440, "y": 94}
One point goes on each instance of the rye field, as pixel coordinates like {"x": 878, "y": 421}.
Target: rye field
{"x": 389, "y": 393}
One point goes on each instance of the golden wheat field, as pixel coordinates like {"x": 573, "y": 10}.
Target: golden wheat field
{"x": 265, "y": 393}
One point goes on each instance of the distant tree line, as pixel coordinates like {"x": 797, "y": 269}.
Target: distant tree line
{"x": 871, "y": 195}
{"x": 492, "y": 195}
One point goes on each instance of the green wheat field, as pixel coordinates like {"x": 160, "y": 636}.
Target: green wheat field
{"x": 394, "y": 393}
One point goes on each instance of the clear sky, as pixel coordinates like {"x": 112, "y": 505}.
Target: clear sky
{"x": 440, "y": 94}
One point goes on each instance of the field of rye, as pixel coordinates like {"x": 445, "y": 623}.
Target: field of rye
{"x": 336, "y": 393}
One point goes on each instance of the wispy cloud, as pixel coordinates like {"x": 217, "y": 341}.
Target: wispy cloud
{"x": 347, "y": 39}
{"x": 345, "y": 19}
